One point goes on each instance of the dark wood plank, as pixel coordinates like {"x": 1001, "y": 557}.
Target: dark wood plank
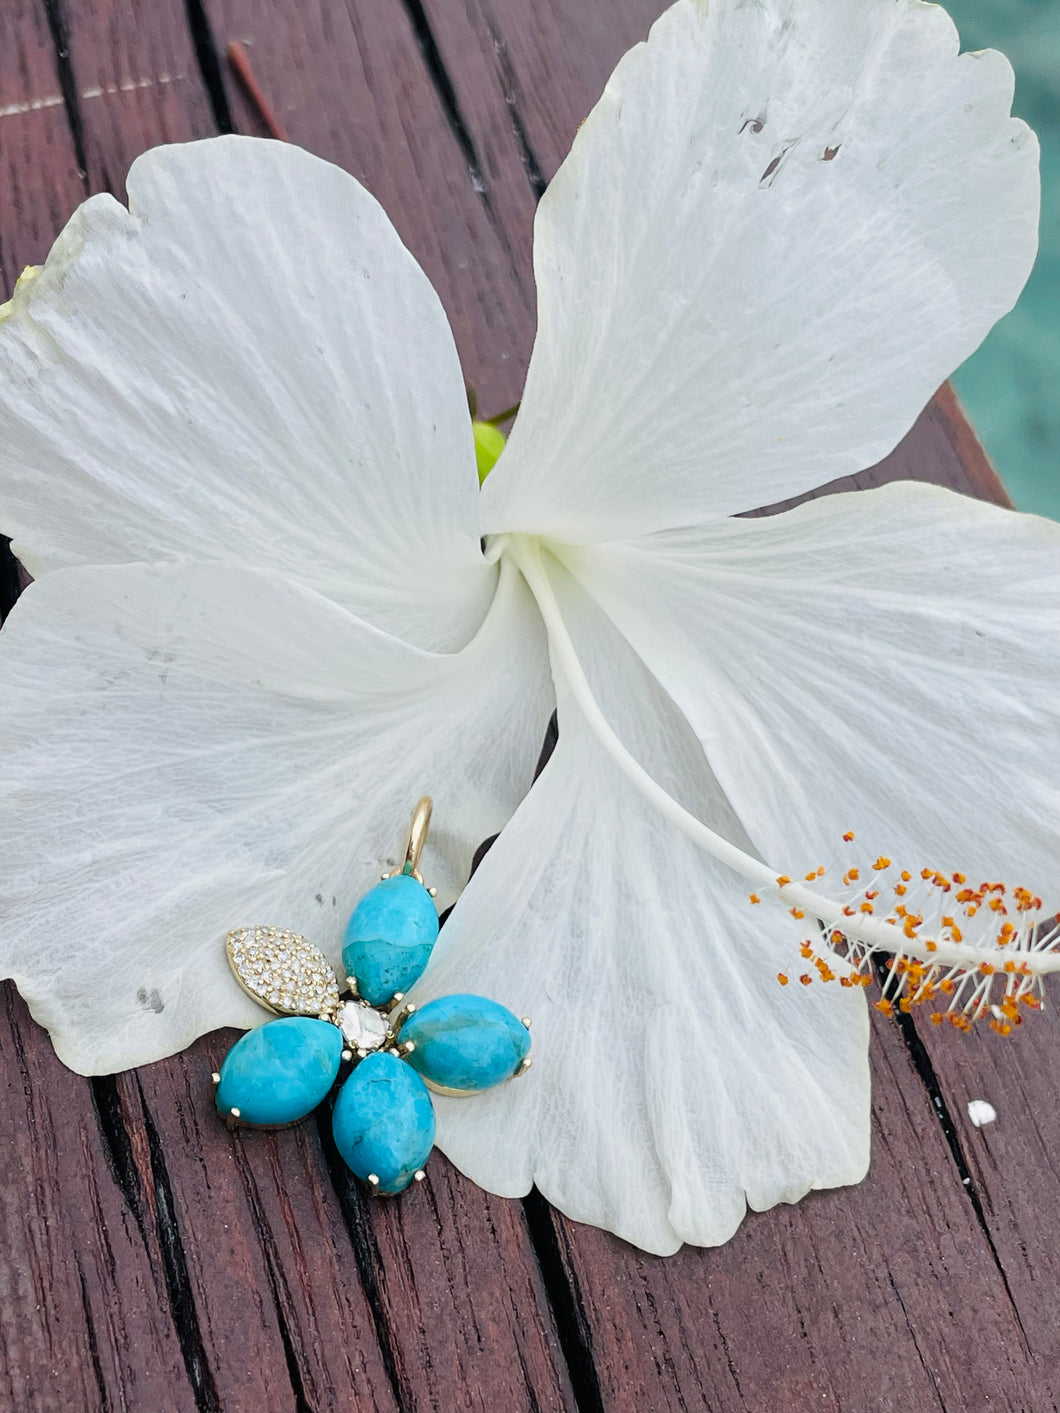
{"x": 1003, "y": 1218}
{"x": 458, "y": 1294}
{"x": 883, "y": 1298}
{"x": 134, "y": 81}
{"x": 137, "y": 83}
{"x": 40, "y": 182}
{"x": 249, "y": 1268}
{"x": 431, "y": 1303}
{"x": 1013, "y": 1164}
{"x": 292, "y": 1292}
{"x": 86, "y": 1319}
{"x": 273, "y": 1306}
{"x": 351, "y": 84}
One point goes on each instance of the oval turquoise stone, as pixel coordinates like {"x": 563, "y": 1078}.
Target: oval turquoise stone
{"x": 384, "y": 1121}
{"x": 466, "y": 1042}
{"x": 389, "y": 938}
{"x": 280, "y": 1072}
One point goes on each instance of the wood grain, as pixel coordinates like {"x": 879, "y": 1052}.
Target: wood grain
{"x": 153, "y": 1261}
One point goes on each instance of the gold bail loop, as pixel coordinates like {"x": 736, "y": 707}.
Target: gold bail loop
{"x": 421, "y": 822}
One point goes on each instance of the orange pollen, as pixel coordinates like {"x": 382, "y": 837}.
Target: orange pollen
{"x": 906, "y": 875}
{"x": 986, "y": 969}
{"x": 884, "y": 1006}
{"x": 797, "y": 912}
{"x": 867, "y": 908}
{"x": 881, "y": 863}
{"x": 901, "y": 889}
{"x": 782, "y": 978}
{"x": 805, "y": 978}
{"x": 755, "y": 898}
{"x": 848, "y": 837}
{"x": 959, "y": 878}
{"x": 931, "y": 946}
{"x": 851, "y": 876}
{"x": 806, "y": 950}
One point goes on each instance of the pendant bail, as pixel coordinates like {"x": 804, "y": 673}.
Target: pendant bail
{"x": 421, "y": 821}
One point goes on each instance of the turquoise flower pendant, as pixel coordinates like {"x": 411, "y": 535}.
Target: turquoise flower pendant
{"x": 383, "y": 1120}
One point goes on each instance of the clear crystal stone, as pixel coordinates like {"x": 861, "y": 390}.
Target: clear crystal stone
{"x": 362, "y": 1028}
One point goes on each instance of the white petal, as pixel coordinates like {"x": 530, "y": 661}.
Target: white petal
{"x": 886, "y": 661}
{"x": 779, "y": 230}
{"x": 674, "y": 1081}
{"x": 187, "y": 749}
{"x": 246, "y": 365}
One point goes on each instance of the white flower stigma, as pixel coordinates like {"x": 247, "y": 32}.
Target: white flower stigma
{"x": 952, "y": 944}
{"x": 946, "y": 940}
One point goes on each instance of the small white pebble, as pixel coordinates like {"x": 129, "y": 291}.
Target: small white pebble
{"x": 980, "y": 1112}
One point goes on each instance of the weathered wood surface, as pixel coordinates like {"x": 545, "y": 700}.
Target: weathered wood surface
{"x": 151, "y": 1261}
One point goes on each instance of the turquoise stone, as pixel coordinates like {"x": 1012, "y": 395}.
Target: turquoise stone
{"x": 280, "y": 1072}
{"x": 466, "y": 1042}
{"x": 384, "y": 1121}
{"x": 389, "y": 938}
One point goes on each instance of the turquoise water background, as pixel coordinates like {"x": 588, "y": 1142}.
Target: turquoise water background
{"x": 1010, "y": 386}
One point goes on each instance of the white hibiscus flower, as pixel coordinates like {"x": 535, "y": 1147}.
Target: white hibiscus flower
{"x": 236, "y": 455}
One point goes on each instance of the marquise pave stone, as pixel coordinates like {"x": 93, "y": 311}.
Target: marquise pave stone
{"x": 466, "y": 1042}
{"x": 280, "y": 1072}
{"x": 384, "y": 1121}
{"x": 363, "y": 1028}
{"x": 283, "y": 970}
{"x": 389, "y": 938}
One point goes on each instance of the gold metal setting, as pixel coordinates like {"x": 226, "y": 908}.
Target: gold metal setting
{"x": 288, "y": 976}
{"x": 421, "y": 822}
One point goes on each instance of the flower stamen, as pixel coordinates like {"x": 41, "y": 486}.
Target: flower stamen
{"x": 983, "y": 972}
